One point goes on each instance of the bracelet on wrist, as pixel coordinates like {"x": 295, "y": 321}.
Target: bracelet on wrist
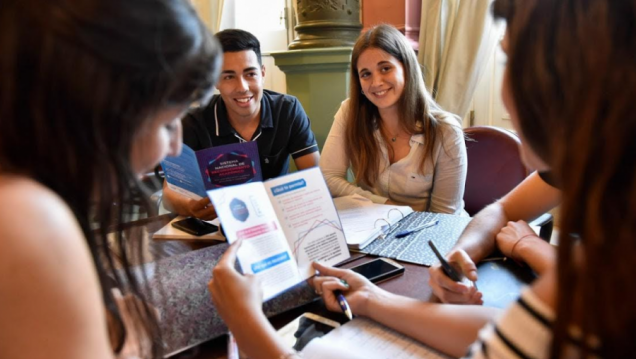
{"x": 512, "y": 251}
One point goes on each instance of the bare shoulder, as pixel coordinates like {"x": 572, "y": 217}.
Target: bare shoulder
{"x": 31, "y": 212}
{"x": 51, "y": 297}
{"x": 37, "y": 226}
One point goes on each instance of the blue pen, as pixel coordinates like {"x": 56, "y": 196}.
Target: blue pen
{"x": 406, "y": 232}
{"x": 344, "y": 305}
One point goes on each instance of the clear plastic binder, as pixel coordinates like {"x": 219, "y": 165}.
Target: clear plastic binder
{"x": 364, "y": 221}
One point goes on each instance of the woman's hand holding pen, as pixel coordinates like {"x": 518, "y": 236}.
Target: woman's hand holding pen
{"x": 356, "y": 288}
{"x": 449, "y": 291}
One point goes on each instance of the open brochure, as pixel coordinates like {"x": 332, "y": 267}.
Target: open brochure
{"x": 363, "y": 221}
{"x": 286, "y": 224}
{"x": 193, "y": 173}
{"x": 363, "y": 338}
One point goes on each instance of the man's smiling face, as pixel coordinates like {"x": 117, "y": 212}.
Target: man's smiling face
{"x": 241, "y": 84}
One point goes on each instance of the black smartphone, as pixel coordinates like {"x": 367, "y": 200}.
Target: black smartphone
{"x": 379, "y": 269}
{"x": 195, "y": 226}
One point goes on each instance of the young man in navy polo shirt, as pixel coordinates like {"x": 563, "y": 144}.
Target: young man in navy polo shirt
{"x": 245, "y": 112}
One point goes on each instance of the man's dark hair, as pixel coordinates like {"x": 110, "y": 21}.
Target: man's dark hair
{"x": 235, "y": 40}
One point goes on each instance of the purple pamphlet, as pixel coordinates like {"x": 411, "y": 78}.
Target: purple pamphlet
{"x": 230, "y": 165}
{"x": 191, "y": 174}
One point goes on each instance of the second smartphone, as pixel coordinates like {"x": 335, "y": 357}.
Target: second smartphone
{"x": 379, "y": 269}
{"x": 195, "y": 226}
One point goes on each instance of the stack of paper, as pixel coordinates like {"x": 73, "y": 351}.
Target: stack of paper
{"x": 363, "y": 220}
{"x": 362, "y": 338}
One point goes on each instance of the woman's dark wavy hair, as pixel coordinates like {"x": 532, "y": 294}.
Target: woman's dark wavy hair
{"x": 573, "y": 78}
{"x": 79, "y": 79}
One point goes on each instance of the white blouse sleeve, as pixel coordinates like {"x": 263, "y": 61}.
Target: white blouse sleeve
{"x": 334, "y": 161}
{"x": 451, "y": 166}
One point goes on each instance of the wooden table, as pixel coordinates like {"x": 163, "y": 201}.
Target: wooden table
{"x": 500, "y": 281}
{"x": 413, "y": 283}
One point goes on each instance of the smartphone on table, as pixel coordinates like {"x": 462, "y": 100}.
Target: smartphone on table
{"x": 195, "y": 226}
{"x": 379, "y": 269}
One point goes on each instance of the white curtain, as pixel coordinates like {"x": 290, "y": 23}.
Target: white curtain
{"x": 219, "y": 15}
{"x": 457, "y": 38}
{"x": 211, "y": 12}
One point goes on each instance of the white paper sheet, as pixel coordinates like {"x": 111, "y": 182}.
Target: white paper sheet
{"x": 364, "y": 338}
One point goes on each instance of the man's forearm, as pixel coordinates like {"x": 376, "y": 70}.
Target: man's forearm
{"x": 174, "y": 202}
{"x": 478, "y": 239}
{"x": 527, "y": 201}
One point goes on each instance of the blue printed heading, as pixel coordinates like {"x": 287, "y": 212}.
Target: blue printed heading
{"x": 270, "y": 262}
{"x": 288, "y": 187}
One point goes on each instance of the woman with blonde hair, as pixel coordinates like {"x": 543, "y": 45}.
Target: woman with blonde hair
{"x": 402, "y": 148}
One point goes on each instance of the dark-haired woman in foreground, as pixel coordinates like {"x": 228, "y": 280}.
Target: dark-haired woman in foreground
{"x": 91, "y": 96}
{"x": 569, "y": 88}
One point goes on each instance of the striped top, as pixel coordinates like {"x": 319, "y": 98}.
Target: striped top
{"x": 524, "y": 330}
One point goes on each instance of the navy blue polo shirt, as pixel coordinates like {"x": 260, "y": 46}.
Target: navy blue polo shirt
{"x": 284, "y": 130}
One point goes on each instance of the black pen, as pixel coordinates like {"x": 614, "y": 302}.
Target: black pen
{"x": 446, "y": 267}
